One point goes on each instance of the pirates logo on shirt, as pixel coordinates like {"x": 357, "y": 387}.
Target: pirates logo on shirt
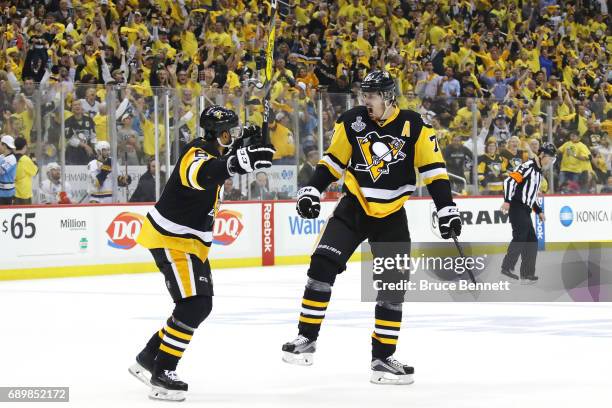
{"x": 379, "y": 152}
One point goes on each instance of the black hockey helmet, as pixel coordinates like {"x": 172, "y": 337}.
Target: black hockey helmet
{"x": 378, "y": 81}
{"x": 215, "y": 119}
{"x": 548, "y": 149}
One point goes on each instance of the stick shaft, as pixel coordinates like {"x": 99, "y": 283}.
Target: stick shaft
{"x": 460, "y": 250}
{"x": 265, "y": 128}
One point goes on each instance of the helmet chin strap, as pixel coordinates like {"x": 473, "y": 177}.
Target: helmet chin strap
{"x": 386, "y": 112}
{"x": 225, "y": 145}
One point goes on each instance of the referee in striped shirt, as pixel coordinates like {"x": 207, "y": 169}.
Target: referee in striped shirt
{"x": 521, "y": 189}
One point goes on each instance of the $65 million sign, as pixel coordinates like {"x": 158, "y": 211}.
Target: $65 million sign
{"x": 20, "y": 225}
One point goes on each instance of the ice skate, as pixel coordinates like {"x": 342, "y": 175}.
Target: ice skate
{"x": 391, "y": 371}
{"x": 143, "y": 367}
{"x": 299, "y": 351}
{"x": 529, "y": 280}
{"x": 167, "y": 386}
{"x": 509, "y": 274}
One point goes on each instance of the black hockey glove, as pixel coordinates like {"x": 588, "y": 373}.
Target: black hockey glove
{"x": 251, "y": 158}
{"x": 449, "y": 220}
{"x": 308, "y": 202}
{"x": 251, "y": 135}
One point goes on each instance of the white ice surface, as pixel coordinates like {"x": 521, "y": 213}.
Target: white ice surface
{"x": 85, "y": 332}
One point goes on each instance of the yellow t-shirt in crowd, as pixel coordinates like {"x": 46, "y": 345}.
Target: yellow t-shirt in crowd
{"x": 533, "y": 60}
{"x": 219, "y": 39}
{"x": 401, "y": 25}
{"x": 101, "y": 127}
{"x": 26, "y": 169}
{"x": 91, "y": 66}
{"x": 283, "y": 142}
{"x": 349, "y": 11}
{"x": 148, "y": 130}
{"x": 436, "y": 33}
{"x": 189, "y": 43}
{"x": 27, "y": 119}
{"x": 170, "y": 51}
{"x": 196, "y": 88}
{"x": 570, "y": 162}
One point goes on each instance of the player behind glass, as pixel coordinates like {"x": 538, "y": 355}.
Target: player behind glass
{"x": 100, "y": 184}
{"x": 376, "y": 147}
{"x": 51, "y": 191}
{"x": 178, "y": 232}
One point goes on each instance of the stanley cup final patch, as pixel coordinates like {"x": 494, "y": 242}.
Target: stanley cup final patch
{"x": 358, "y": 125}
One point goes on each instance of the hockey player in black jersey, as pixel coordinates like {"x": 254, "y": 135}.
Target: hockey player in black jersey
{"x": 178, "y": 232}
{"x": 376, "y": 147}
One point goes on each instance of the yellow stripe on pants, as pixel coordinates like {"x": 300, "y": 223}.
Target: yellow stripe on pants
{"x": 182, "y": 266}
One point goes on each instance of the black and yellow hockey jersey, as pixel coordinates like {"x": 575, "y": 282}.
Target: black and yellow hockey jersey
{"x": 492, "y": 171}
{"x": 378, "y": 161}
{"x": 183, "y": 217}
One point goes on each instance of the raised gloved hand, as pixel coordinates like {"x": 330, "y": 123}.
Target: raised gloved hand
{"x": 124, "y": 180}
{"x": 251, "y": 158}
{"x": 449, "y": 220}
{"x": 251, "y": 135}
{"x": 308, "y": 202}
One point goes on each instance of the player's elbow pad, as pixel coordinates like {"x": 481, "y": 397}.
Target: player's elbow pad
{"x": 440, "y": 192}
{"x": 214, "y": 172}
{"x": 322, "y": 178}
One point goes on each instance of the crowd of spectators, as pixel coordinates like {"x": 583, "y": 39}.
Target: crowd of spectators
{"x": 522, "y": 70}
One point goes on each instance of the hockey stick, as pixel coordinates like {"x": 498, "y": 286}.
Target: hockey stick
{"x": 127, "y": 185}
{"x": 265, "y": 128}
{"x": 460, "y": 249}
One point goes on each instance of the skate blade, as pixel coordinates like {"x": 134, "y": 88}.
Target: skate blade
{"x": 162, "y": 394}
{"x": 527, "y": 282}
{"x": 380, "y": 377}
{"x": 303, "y": 359}
{"x": 141, "y": 374}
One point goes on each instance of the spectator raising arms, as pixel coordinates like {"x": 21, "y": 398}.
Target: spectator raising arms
{"x": 485, "y": 69}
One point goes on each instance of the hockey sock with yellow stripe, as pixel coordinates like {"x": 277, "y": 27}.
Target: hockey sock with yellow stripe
{"x": 175, "y": 338}
{"x": 314, "y": 305}
{"x": 386, "y": 331}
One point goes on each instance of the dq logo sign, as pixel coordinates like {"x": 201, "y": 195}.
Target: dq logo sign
{"x": 228, "y": 225}
{"x": 123, "y": 230}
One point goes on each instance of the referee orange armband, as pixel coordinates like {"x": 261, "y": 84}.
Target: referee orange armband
{"x": 516, "y": 176}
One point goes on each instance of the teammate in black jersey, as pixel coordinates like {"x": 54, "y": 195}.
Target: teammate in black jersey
{"x": 376, "y": 147}
{"x": 178, "y": 232}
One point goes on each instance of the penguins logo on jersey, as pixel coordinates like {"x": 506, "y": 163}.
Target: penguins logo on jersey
{"x": 515, "y": 162}
{"x": 379, "y": 152}
{"x": 495, "y": 168}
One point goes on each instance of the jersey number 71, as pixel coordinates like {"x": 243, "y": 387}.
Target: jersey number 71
{"x": 434, "y": 139}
